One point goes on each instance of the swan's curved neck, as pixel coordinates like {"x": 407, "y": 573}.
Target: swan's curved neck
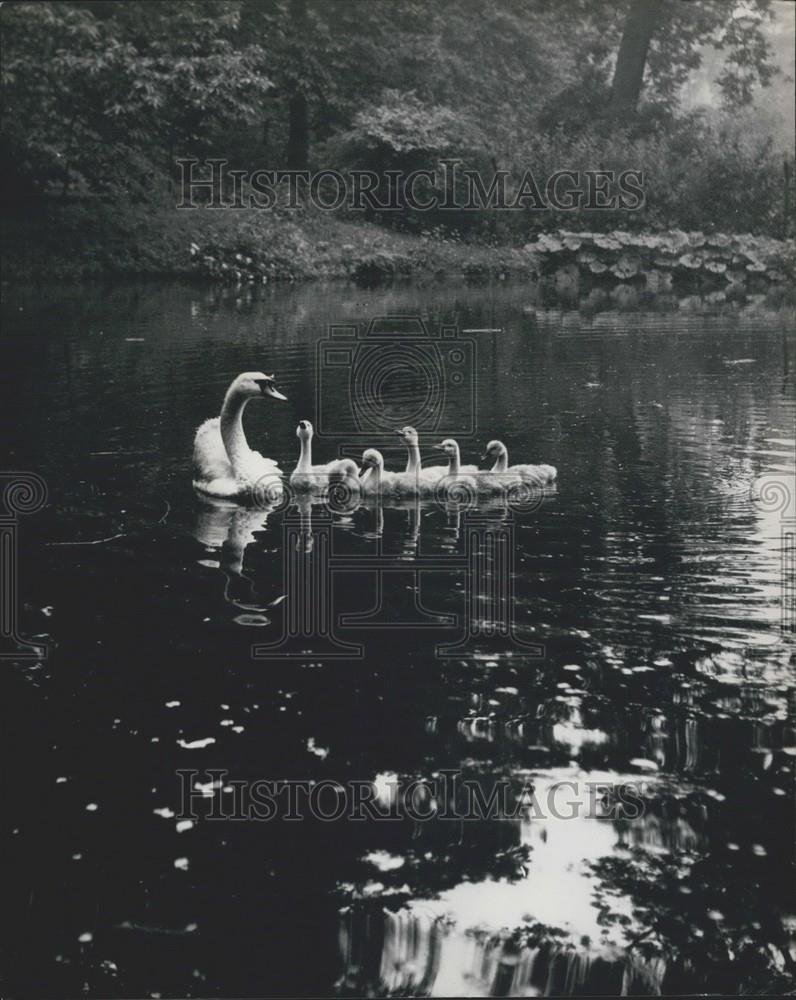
{"x": 413, "y": 461}
{"x": 453, "y": 463}
{"x": 231, "y": 423}
{"x": 373, "y": 478}
{"x": 304, "y": 463}
{"x": 502, "y": 462}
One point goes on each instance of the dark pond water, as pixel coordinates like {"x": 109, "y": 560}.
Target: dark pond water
{"x": 652, "y": 580}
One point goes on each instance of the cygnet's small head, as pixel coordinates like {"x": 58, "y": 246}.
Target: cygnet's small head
{"x": 304, "y": 430}
{"x": 495, "y": 449}
{"x": 255, "y": 384}
{"x": 345, "y": 468}
{"x": 371, "y": 459}
{"x": 449, "y": 446}
{"x": 408, "y": 435}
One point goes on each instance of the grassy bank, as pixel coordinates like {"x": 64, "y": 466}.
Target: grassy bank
{"x": 54, "y": 240}
{"x": 95, "y": 239}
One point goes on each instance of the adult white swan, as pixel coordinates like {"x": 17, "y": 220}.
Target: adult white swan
{"x": 538, "y": 474}
{"x": 307, "y": 476}
{"x": 223, "y": 463}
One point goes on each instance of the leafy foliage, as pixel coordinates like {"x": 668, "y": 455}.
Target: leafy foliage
{"x": 102, "y": 97}
{"x": 626, "y": 256}
{"x": 108, "y": 94}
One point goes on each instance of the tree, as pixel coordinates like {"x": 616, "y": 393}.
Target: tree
{"x": 108, "y": 94}
{"x": 640, "y": 24}
{"x": 664, "y": 41}
{"x": 297, "y": 153}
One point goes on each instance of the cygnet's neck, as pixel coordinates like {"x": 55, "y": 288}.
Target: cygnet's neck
{"x": 304, "y": 463}
{"x": 453, "y": 462}
{"x": 413, "y": 460}
{"x": 502, "y": 461}
{"x": 372, "y": 478}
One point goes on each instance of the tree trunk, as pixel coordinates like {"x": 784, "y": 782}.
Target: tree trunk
{"x": 640, "y": 24}
{"x": 297, "y": 151}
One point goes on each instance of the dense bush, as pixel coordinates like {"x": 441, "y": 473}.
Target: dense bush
{"x": 715, "y": 173}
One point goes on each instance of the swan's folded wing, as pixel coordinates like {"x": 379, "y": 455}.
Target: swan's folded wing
{"x": 262, "y": 466}
{"x": 431, "y": 474}
{"x": 317, "y": 476}
{"x": 497, "y": 482}
{"x": 390, "y": 482}
{"x": 209, "y": 454}
{"x": 537, "y": 473}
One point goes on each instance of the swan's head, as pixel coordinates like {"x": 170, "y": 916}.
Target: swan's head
{"x": 408, "y": 435}
{"x": 254, "y": 384}
{"x": 449, "y": 446}
{"x": 371, "y": 459}
{"x": 304, "y": 430}
{"x": 495, "y": 449}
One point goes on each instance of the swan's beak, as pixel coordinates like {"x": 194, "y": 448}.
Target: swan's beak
{"x": 400, "y": 434}
{"x": 267, "y": 388}
{"x": 483, "y": 457}
{"x": 437, "y": 447}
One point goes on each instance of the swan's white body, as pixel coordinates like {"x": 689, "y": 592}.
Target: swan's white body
{"x": 224, "y": 465}
{"x": 307, "y": 477}
{"x": 538, "y": 475}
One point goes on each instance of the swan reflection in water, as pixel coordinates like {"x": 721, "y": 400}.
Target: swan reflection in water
{"x": 226, "y": 529}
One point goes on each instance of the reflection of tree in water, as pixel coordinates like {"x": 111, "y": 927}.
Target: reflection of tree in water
{"x": 678, "y": 910}
{"x": 736, "y": 945}
{"x": 405, "y": 953}
{"x": 713, "y": 901}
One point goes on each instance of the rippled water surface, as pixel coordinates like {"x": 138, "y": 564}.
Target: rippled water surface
{"x": 651, "y": 580}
